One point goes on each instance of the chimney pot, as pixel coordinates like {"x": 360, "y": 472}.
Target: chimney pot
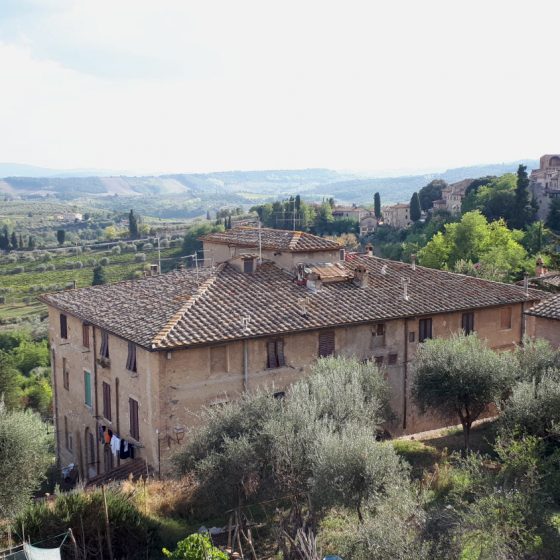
{"x": 361, "y": 277}
{"x": 369, "y": 250}
{"x": 413, "y": 259}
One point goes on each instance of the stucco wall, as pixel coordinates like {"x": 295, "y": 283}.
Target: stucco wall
{"x": 549, "y": 329}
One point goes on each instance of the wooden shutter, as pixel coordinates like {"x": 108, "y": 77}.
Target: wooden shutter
{"x": 104, "y": 350}
{"x": 134, "y": 425}
{"x": 505, "y": 318}
{"x": 272, "y": 361}
{"x": 424, "y": 329}
{"x": 467, "y": 323}
{"x": 107, "y": 400}
{"x": 63, "y": 326}
{"x": 131, "y": 358}
{"x": 87, "y": 387}
{"x": 280, "y": 353}
{"x": 326, "y": 344}
{"x": 85, "y": 335}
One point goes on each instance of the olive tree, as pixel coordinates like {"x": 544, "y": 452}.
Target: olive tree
{"x": 24, "y": 458}
{"x": 460, "y": 376}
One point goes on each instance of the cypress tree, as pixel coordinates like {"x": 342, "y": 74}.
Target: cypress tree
{"x": 99, "y": 276}
{"x": 377, "y": 205}
{"x": 415, "y": 210}
{"x": 60, "y": 235}
{"x": 14, "y": 242}
{"x": 132, "y": 225}
{"x": 524, "y": 211}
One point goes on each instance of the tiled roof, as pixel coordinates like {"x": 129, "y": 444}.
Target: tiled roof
{"x": 549, "y": 308}
{"x": 275, "y": 239}
{"x": 177, "y": 309}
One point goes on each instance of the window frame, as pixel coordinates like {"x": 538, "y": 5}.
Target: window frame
{"x": 425, "y": 329}
{"x": 392, "y": 359}
{"x": 275, "y": 355}
{"x": 68, "y": 436}
{"x": 63, "y": 326}
{"x": 509, "y": 311}
{"x": 134, "y": 418}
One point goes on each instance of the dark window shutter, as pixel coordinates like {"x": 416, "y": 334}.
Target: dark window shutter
{"x": 467, "y": 323}
{"x": 107, "y": 400}
{"x": 85, "y": 335}
{"x": 134, "y": 425}
{"x": 326, "y": 344}
{"x": 63, "y": 326}
{"x": 280, "y": 353}
{"x": 131, "y": 358}
{"x": 104, "y": 350}
{"x": 272, "y": 359}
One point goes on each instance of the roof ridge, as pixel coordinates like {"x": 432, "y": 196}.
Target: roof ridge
{"x": 176, "y": 317}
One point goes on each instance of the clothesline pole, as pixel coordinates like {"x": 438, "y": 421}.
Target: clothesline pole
{"x": 73, "y": 539}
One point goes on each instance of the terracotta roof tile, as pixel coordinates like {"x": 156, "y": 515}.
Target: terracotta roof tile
{"x": 178, "y": 309}
{"x": 549, "y": 308}
{"x": 274, "y": 239}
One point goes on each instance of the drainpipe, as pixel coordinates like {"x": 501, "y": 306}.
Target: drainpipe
{"x": 55, "y": 388}
{"x": 522, "y": 321}
{"x": 245, "y": 364}
{"x": 94, "y": 352}
{"x": 405, "y": 374}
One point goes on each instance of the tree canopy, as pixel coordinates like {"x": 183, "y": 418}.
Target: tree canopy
{"x": 460, "y": 376}
{"x": 431, "y": 192}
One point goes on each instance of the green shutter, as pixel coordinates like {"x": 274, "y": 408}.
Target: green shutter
{"x": 87, "y": 386}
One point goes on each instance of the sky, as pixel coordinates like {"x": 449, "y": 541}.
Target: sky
{"x": 180, "y": 86}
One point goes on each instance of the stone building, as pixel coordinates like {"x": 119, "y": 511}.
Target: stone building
{"x": 142, "y": 357}
{"x": 452, "y": 197}
{"x": 543, "y": 320}
{"x": 396, "y": 215}
{"x": 545, "y": 183}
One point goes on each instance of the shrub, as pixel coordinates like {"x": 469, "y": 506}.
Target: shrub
{"x": 140, "y": 257}
{"x": 50, "y": 267}
{"x": 132, "y": 533}
{"x": 196, "y": 547}
{"x": 164, "y": 243}
{"x": 116, "y": 250}
{"x": 41, "y": 268}
{"x": 104, "y": 261}
{"x": 18, "y": 270}
{"x": 147, "y": 247}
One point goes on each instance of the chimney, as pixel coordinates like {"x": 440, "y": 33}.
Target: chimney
{"x": 540, "y": 269}
{"x": 405, "y": 282}
{"x": 413, "y": 259}
{"x": 361, "y": 277}
{"x": 369, "y": 250}
{"x": 154, "y": 270}
{"x": 526, "y": 284}
{"x": 314, "y": 282}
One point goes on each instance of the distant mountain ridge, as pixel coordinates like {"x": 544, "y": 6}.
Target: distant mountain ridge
{"x": 240, "y": 185}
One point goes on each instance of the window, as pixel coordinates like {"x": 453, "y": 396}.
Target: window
{"x": 218, "y": 359}
{"x": 505, "y": 318}
{"x": 131, "y": 359}
{"x": 133, "y": 412}
{"x": 85, "y": 335}
{"x": 379, "y": 329}
{"x": 424, "y": 329}
{"x": 379, "y": 360}
{"x": 393, "y": 359}
{"x": 63, "y": 326}
{"x": 275, "y": 354}
{"x": 411, "y": 336}
{"x": 104, "y": 350}
{"x": 326, "y": 344}
{"x": 248, "y": 265}
{"x": 87, "y": 388}
{"x": 67, "y": 435}
{"x": 467, "y": 323}
{"x": 107, "y": 400}
{"x": 65, "y": 375}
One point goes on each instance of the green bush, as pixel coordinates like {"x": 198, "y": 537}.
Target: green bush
{"x": 139, "y": 257}
{"x": 196, "y": 547}
{"x": 104, "y": 261}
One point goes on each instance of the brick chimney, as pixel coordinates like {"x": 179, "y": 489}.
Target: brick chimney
{"x": 361, "y": 276}
{"x": 313, "y": 282}
{"x": 540, "y": 269}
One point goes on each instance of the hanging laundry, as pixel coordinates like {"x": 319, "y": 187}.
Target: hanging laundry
{"x": 115, "y": 445}
{"x": 108, "y": 435}
{"x": 34, "y": 553}
{"x": 125, "y": 449}
{"x": 101, "y": 433}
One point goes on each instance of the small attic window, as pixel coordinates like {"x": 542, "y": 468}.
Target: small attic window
{"x": 248, "y": 265}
